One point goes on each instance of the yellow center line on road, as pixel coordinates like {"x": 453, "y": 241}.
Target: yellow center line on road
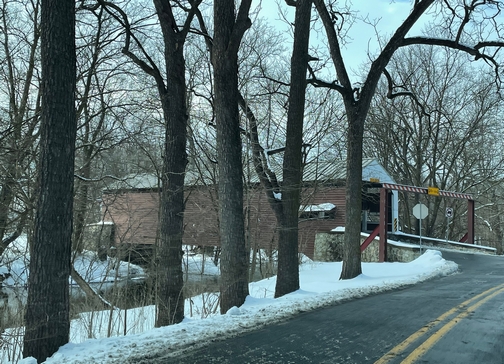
{"x": 433, "y": 339}
{"x": 400, "y": 348}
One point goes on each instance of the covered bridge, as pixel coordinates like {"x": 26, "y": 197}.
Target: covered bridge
{"x": 132, "y": 207}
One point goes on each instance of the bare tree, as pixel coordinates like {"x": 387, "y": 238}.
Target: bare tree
{"x": 172, "y": 93}
{"x": 458, "y": 20}
{"x": 445, "y": 137}
{"x": 229, "y": 28}
{"x": 489, "y": 215}
{"x": 48, "y": 307}
{"x": 105, "y": 117}
{"x": 19, "y": 41}
{"x": 288, "y": 264}
{"x": 286, "y": 208}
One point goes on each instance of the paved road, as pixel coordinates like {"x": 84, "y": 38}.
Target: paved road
{"x": 456, "y": 319}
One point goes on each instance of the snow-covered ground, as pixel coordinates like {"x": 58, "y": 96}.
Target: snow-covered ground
{"x": 14, "y": 269}
{"x": 319, "y": 286}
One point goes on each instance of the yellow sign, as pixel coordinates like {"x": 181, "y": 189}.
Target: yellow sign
{"x": 374, "y": 180}
{"x": 433, "y": 191}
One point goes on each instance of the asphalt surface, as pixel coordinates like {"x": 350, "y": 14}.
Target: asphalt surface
{"x": 454, "y": 319}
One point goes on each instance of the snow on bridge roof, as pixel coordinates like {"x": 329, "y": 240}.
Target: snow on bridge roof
{"x": 314, "y": 170}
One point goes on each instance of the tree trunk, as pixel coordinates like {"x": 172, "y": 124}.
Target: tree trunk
{"x": 353, "y": 198}
{"x": 6, "y": 199}
{"x": 47, "y": 312}
{"x": 288, "y": 264}
{"x": 234, "y": 265}
{"x": 168, "y": 262}
{"x": 81, "y": 202}
{"x": 234, "y": 257}
{"x": 170, "y": 279}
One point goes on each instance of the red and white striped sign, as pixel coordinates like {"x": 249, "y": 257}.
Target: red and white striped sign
{"x": 423, "y": 190}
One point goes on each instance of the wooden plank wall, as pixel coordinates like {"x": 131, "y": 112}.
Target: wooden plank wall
{"x": 135, "y": 215}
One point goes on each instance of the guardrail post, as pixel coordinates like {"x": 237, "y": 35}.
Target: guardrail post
{"x": 382, "y": 253}
{"x": 470, "y": 221}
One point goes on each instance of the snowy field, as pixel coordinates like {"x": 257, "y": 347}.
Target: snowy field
{"x": 319, "y": 283}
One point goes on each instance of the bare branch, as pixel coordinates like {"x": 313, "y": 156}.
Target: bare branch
{"x": 149, "y": 68}
{"x": 474, "y": 51}
{"x": 190, "y": 16}
{"x": 242, "y": 23}
{"x": 392, "y": 95}
{"x": 442, "y": 42}
{"x": 334, "y": 46}
{"x": 316, "y": 82}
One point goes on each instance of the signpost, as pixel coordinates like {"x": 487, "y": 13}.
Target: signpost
{"x": 420, "y": 211}
{"x": 448, "y": 214}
